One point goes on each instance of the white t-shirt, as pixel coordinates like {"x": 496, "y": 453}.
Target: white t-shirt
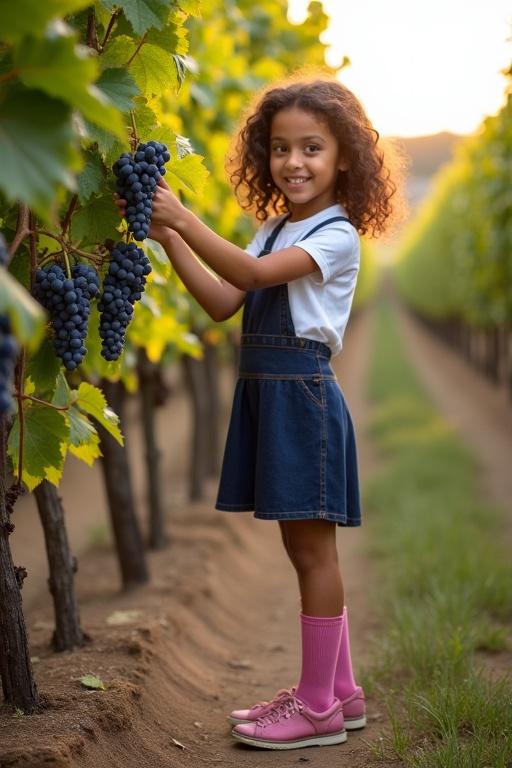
{"x": 319, "y": 302}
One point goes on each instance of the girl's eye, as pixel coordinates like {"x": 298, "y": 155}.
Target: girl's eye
{"x": 312, "y": 148}
{"x": 279, "y": 148}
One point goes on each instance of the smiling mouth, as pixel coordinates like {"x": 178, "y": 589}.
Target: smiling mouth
{"x": 296, "y": 181}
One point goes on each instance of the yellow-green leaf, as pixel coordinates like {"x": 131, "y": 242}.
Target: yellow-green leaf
{"x": 26, "y": 315}
{"x": 45, "y": 430}
{"x": 87, "y": 452}
{"x": 92, "y": 681}
{"x": 188, "y": 174}
{"x": 92, "y": 400}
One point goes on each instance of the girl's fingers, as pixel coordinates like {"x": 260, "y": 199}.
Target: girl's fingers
{"x": 162, "y": 183}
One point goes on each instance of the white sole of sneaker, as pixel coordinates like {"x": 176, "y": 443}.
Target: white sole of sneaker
{"x": 313, "y": 741}
{"x": 355, "y": 723}
{"x": 350, "y": 725}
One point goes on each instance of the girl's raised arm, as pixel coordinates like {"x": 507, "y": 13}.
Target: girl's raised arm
{"x": 216, "y": 296}
{"x": 228, "y": 260}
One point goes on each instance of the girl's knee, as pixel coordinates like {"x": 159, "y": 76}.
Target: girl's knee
{"x": 306, "y": 557}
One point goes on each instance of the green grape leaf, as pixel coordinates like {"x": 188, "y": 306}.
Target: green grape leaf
{"x": 96, "y": 221}
{"x": 82, "y": 431}
{"x": 91, "y": 400}
{"x": 45, "y": 430}
{"x": 37, "y": 147}
{"x": 154, "y": 71}
{"x": 146, "y": 121}
{"x": 43, "y": 368}
{"x": 152, "y": 67}
{"x": 142, "y": 14}
{"x": 91, "y": 681}
{"x": 191, "y": 7}
{"x": 91, "y": 179}
{"x": 19, "y": 266}
{"x": 117, "y": 52}
{"x": 62, "y": 395}
{"x": 119, "y": 86}
{"x": 26, "y": 17}
{"x": 188, "y": 174}
{"x": 172, "y": 38}
{"x": 26, "y": 315}
{"x": 62, "y": 69}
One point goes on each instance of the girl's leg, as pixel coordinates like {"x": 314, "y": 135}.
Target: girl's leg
{"x": 344, "y": 681}
{"x": 311, "y": 546}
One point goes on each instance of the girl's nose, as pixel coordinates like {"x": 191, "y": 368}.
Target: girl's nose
{"x": 294, "y": 160}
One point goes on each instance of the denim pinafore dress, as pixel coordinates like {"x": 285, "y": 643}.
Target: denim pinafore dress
{"x": 290, "y": 450}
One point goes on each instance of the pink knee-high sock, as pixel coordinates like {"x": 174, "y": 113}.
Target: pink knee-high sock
{"x": 321, "y": 637}
{"x": 344, "y": 683}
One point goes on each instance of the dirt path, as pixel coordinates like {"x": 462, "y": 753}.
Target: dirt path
{"x": 480, "y": 412}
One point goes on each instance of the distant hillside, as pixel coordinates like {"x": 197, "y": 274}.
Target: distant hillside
{"x": 428, "y": 153}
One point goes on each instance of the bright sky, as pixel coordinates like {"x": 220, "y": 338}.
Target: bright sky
{"x": 420, "y": 67}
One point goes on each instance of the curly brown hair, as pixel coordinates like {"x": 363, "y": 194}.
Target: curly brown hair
{"x": 370, "y": 190}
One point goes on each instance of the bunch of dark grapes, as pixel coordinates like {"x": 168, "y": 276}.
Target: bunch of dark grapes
{"x": 122, "y": 287}
{"x": 137, "y": 176}
{"x": 8, "y": 355}
{"x": 68, "y": 301}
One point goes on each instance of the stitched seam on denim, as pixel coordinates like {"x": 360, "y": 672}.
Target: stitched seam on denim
{"x": 308, "y": 393}
{"x": 307, "y": 512}
{"x": 284, "y": 377}
{"x": 249, "y": 505}
{"x": 284, "y": 346}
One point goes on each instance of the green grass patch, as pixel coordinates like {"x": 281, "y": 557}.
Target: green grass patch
{"x": 445, "y": 589}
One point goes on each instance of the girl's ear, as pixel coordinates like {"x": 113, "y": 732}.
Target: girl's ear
{"x": 343, "y": 164}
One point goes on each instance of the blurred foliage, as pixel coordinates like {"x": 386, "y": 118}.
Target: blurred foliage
{"x": 456, "y": 258}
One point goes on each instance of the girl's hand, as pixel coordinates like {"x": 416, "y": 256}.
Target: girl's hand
{"x": 167, "y": 208}
{"x": 157, "y": 232}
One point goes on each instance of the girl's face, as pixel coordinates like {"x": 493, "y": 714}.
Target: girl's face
{"x": 304, "y": 161}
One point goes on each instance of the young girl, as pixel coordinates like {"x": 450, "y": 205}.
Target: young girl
{"x": 308, "y": 154}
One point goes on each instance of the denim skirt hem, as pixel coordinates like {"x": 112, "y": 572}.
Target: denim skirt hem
{"x": 308, "y": 515}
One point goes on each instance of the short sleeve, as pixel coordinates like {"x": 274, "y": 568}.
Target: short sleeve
{"x": 256, "y": 245}
{"x": 335, "y": 249}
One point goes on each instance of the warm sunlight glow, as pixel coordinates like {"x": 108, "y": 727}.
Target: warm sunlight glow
{"x": 420, "y": 67}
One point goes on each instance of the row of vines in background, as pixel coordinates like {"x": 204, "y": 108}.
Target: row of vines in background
{"x": 455, "y": 268}
{"x": 80, "y": 84}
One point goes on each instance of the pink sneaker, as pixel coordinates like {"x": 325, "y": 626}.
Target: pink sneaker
{"x": 291, "y": 724}
{"x": 354, "y": 709}
{"x": 262, "y": 708}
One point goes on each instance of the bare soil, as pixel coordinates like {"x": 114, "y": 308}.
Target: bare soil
{"x": 216, "y": 629}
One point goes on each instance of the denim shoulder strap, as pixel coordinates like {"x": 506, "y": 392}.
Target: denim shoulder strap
{"x": 324, "y": 224}
{"x": 269, "y": 242}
